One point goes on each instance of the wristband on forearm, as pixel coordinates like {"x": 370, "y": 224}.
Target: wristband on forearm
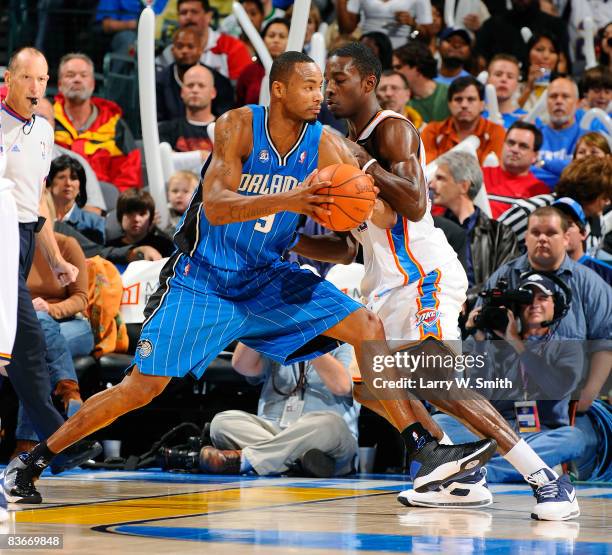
{"x": 368, "y": 164}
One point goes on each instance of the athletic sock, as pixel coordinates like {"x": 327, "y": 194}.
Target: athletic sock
{"x": 245, "y": 465}
{"x": 415, "y": 437}
{"x": 39, "y": 458}
{"x": 525, "y": 459}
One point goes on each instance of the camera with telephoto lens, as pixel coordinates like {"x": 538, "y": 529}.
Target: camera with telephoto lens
{"x": 183, "y": 457}
{"x": 493, "y": 315}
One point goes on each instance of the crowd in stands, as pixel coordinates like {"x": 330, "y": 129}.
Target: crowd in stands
{"x": 532, "y": 193}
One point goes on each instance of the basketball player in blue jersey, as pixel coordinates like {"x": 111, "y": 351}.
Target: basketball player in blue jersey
{"x": 388, "y": 146}
{"x": 227, "y": 280}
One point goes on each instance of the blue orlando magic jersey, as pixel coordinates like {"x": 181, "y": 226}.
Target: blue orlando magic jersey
{"x": 254, "y": 243}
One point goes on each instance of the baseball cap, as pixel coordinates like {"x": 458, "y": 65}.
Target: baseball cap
{"x": 449, "y": 32}
{"x": 543, "y": 283}
{"x": 573, "y": 209}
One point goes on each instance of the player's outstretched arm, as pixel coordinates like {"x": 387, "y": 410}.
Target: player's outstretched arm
{"x": 404, "y": 187}
{"x": 223, "y": 205}
{"x": 336, "y": 248}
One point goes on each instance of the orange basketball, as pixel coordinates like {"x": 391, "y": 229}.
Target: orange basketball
{"x": 353, "y": 193}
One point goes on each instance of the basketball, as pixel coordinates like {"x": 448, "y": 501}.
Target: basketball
{"x": 353, "y": 193}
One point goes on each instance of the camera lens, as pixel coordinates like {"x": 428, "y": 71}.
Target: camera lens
{"x": 178, "y": 459}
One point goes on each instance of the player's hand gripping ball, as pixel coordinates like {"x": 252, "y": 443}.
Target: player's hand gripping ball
{"x": 354, "y": 196}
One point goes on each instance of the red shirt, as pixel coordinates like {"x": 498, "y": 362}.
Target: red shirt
{"x": 502, "y": 187}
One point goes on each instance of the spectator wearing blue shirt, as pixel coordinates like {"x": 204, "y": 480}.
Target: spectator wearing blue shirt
{"x": 588, "y": 317}
{"x": 577, "y": 234}
{"x": 561, "y": 134}
{"x": 504, "y": 73}
{"x": 456, "y": 51}
{"x": 66, "y": 183}
{"x": 306, "y": 413}
{"x": 120, "y": 19}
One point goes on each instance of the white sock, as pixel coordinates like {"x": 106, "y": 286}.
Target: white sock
{"x": 446, "y": 440}
{"x": 525, "y": 459}
{"x": 245, "y": 465}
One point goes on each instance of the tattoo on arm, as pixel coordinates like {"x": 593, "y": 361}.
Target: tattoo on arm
{"x": 245, "y": 213}
{"x": 225, "y": 169}
{"x": 221, "y": 142}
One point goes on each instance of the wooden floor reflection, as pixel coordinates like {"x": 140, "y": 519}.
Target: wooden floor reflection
{"x": 154, "y": 512}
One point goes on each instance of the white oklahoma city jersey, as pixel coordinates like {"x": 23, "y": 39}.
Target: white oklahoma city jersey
{"x": 9, "y": 254}
{"x": 408, "y": 252}
{"x": 28, "y": 145}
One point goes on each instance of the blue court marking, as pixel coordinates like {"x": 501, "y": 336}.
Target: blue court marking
{"x": 366, "y": 542}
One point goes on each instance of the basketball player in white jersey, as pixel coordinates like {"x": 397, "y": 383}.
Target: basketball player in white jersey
{"x": 413, "y": 279}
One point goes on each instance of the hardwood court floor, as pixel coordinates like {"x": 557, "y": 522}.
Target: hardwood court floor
{"x": 154, "y": 512}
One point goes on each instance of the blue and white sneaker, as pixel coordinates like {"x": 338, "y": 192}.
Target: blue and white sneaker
{"x": 435, "y": 464}
{"x": 555, "y": 497}
{"x": 470, "y": 491}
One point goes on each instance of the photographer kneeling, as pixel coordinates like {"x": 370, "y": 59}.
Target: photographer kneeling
{"x": 543, "y": 372}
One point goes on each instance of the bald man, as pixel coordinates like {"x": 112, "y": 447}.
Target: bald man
{"x": 189, "y": 134}
{"x": 28, "y": 141}
{"x": 561, "y": 135}
{"x": 186, "y": 50}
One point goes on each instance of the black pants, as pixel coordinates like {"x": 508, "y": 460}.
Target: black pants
{"x": 28, "y": 370}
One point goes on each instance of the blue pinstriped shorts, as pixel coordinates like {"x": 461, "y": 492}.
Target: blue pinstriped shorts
{"x": 280, "y": 311}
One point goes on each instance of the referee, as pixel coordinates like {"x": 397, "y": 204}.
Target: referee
{"x": 28, "y": 142}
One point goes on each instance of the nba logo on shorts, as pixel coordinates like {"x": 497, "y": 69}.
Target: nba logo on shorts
{"x": 264, "y": 155}
{"x": 427, "y": 317}
{"x": 302, "y": 157}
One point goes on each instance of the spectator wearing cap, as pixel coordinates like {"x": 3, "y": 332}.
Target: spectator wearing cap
{"x": 513, "y": 180}
{"x": 588, "y": 181}
{"x": 596, "y": 88}
{"x": 455, "y": 51}
{"x": 577, "y": 233}
{"x": 465, "y": 103}
{"x": 223, "y": 53}
{"x": 393, "y": 93}
{"x": 589, "y": 314}
{"x": 504, "y": 74}
{"x": 456, "y": 182}
{"x": 417, "y": 64}
{"x": 542, "y": 372}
